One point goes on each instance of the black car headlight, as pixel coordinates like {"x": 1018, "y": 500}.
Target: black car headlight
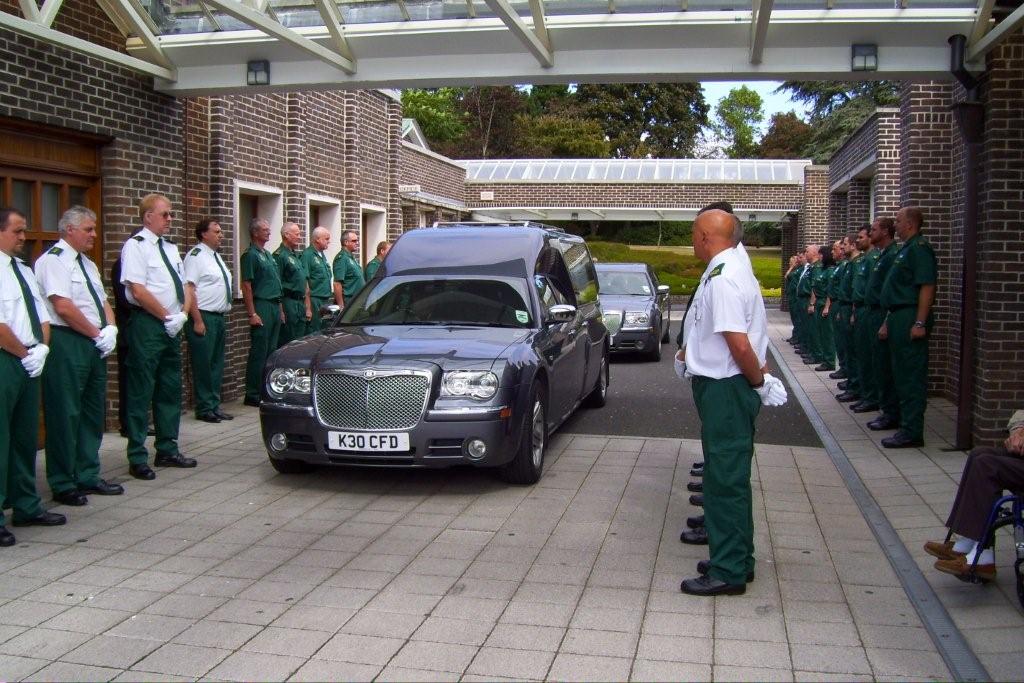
{"x": 636, "y": 319}
{"x": 288, "y": 381}
{"x": 469, "y": 384}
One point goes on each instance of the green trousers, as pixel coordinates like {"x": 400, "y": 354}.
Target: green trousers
{"x": 910, "y": 370}
{"x": 839, "y": 334}
{"x": 262, "y": 341}
{"x": 294, "y": 325}
{"x": 881, "y": 365}
{"x": 19, "y": 425}
{"x": 813, "y": 333}
{"x": 206, "y": 354}
{"x": 862, "y": 334}
{"x": 727, "y": 409}
{"x": 74, "y": 389}
{"x": 317, "y": 322}
{"x": 826, "y": 342}
{"x": 154, "y": 379}
{"x": 805, "y": 326}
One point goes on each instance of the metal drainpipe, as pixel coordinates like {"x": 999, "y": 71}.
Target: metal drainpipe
{"x": 970, "y": 118}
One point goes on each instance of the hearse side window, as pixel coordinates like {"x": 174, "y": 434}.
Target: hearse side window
{"x": 548, "y": 293}
{"x": 581, "y": 270}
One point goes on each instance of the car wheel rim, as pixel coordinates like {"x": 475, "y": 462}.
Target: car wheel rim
{"x": 604, "y": 378}
{"x": 537, "y": 435}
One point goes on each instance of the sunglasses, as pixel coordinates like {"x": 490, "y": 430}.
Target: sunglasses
{"x": 166, "y": 214}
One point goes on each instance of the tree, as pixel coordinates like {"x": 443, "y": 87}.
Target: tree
{"x": 646, "y": 119}
{"x": 490, "y": 116}
{"x": 561, "y": 137}
{"x": 787, "y": 137}
{"x": 436, "y": 111}
{"x": 550, "y": 99}
{"x": 737, "y": 117}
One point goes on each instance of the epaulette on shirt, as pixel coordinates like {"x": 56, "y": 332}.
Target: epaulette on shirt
{"x": 195, "y": 252}
{"x": 56, "y": 251}
{"x": 717, "y": 271}
{"x": 139, "y": 238}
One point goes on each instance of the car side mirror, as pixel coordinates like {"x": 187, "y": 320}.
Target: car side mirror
{"x": 663, "y": 289}
{"x": 329, "y": 313}
{"x": 561, "y": 313}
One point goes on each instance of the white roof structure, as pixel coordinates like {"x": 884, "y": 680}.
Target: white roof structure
{"x": 202, "y": 47}
{"x": 773, "y": 171}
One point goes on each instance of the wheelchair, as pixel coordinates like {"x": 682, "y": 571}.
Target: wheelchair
{"x": 1007, "y": 510}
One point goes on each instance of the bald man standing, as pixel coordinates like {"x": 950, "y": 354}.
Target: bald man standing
{"x": 726, "y": 342}
{"x": 295, "y": 290}
{"x": 318, "y": 275}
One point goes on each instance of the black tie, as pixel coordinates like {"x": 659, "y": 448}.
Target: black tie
{"x": 92, "y": 291}
{"x": 30, "y": 302}
{"x": 178, "y": 289}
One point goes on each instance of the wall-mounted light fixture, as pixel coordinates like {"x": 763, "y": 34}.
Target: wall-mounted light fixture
{"x": 752, "y": 217}
{"x": 574, "y": 216}
{"x": 864, "y": 58}
{"x": 258, "y": 72}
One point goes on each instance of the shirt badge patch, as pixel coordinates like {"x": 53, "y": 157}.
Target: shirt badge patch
{"x": 717, "y": 271}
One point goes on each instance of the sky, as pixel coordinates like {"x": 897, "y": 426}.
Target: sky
{"x": 714, "y": 91}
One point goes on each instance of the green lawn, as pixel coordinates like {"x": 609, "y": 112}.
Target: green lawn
{"x": 678, "y": 268}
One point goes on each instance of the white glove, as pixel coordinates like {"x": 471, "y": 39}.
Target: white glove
{"x": 174, "y": 324}
{"x": 772, "y": 392}
{"x": 35, "y": 360}
{"x": 106, "y": 340}
{"x": 679, "y": 365}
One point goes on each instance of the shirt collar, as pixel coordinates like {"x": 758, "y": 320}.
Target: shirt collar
{"x": 721, "y": 257}
{"x": 5, "y": 260}
{"x": 205, "y": 247}
{"x": 67, "y": 249}
{"x": 149, "y": 235}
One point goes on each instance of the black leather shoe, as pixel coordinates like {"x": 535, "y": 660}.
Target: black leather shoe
{"x": 102, "y": 488}
{"x": 698, "y": 472}
{"x": 254, "y": 402}
{"x": 176, "y": 460}
{"x": 6, "y": 538}
{"x": 706, "y": 586}
{"x": 222, "y": 415}
{"x": 809, "y": 360}
{"x": 208, "y": 417}
{"x": 847, "y": 397}
{"x": 901, "y": 440}
{"x": 704, "y": 566}
{"x": 882, "y": 423}
{"x": 43, "y": 519}
{"x": 697, "y": 465}
{"x": 695, "y": 522}
{"x": 864, "y": 407}
{"x": 843, "y": 386}
{"x": 142, "y": 471}
{"x": 697, "y": 499}
{"x": 71, "y": 497}
{"x": 825, "y": 367}
{"x": 695, "y": 486}
{"x": 698, "y": 536}
{"x": 838, "y": 374}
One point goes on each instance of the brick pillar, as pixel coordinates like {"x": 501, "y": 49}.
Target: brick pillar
{"x": 394, "y": 219}
{"x": 926, "y": 153}
{"x": 813, "y": 222}
{"x": 887, "y": 166}
{"x": 999, "y": 388}
{"x": 836, "y": 215}
{"x": 858, "y": 209}
{"x": 295, "y": 137}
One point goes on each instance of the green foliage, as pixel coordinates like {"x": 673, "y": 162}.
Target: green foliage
{"x": 787, "y": 137}
{"x": 437, "y": 113}
{"x": 561, "y": 137}
{"x": 737, "y": 116}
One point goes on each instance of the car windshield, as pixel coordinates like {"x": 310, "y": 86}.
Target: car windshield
{"x": 419, "y": 300}
{"x": 624, "y": 282}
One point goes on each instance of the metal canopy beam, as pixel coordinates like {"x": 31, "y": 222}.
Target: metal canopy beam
{"x": 540, "y": 49}
{"x": 48, "y": 35}
{"x": 981, "y": 21}
{"x": 272, "y": 28}
{"x": 759, "y": 21}
{"x": 992, "y": 39}
{"x": 333, "y": 20}
{"x": 126, "y": 13}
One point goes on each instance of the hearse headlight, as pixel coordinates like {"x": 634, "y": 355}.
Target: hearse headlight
{"x": 288, "y": 381}
{"x": 637, "y": 319}
{"x": 469, "y": 384}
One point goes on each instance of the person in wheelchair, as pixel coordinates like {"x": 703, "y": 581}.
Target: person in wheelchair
{"x": 988, "y": 472}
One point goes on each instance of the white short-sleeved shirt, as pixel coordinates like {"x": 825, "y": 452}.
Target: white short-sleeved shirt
{"x": 729, "y": 300}
{"x": 59, "y": 274}
{"x": 142, "y": 264}
{"x": 13, "y": 311}
{"x": 203, "y": 268}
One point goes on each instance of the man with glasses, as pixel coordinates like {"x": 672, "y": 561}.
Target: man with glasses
{"x": 75, "y": 382}
{"x": 348, "y": 276}
{"x": 153, "y": 276}
{"x": 24, "y": 334}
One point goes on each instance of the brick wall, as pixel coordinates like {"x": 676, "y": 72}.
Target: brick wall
{"x": 813, "y": 222}
{"x": 887, "y": 166}
{"x": 837, "y": 203}
{"x": 858, "y": 209}
{"x": 432, "y": 172}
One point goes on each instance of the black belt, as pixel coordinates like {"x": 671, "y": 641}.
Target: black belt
{"x": 300, "y": 296}
{"x": 275, "y": 300}
{"x": 211, "y": 312}
{"x": 900, "y": 307}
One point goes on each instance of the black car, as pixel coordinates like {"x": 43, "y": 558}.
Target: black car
{"x": 636, "y": 308}
{"x": 470, "y": 345}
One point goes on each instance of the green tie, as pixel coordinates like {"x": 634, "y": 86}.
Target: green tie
{"x": 92, "y": 291}
{"x": 224, "y": 274}
{"x": 178, "y": 289}
{"x": 30, "y": 302}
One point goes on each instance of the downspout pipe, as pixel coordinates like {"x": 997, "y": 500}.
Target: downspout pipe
{"x": 970, "y": 118}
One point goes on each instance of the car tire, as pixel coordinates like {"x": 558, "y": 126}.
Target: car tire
{"x": 598, "y": 397}
{"x": 528, "y": 464}
{"x": 667, "y": 322}
{"x": 291, "y": 466}
{"x": 655, "y": 353}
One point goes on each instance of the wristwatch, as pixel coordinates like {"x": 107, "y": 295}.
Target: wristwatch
{"x": 918, "y": 323}
{"x": 759, "y": 384}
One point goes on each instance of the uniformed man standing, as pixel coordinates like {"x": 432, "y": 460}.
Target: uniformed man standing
{"x": 209, "y": 282}
{"x": 810, "y": 348}
{"x": 319, "y": 276}
{"x": 371, "y": 267}
{"x": 819, "y": 303}
{"x": 849, "y": 386}
{"x": 75, "y": 381}
{"x": 862, "y": 331}
{"x": 294, "y": 286}
{"x": 882, "y": 232}
{"x": 908, "y": 295}
{"x": 153, "y": 276}
{"x": 790, "y": 280}
{"x": 261, "y": 293}
{"x": 24, "y": 334}
{"x": 726, "y": 342}
{"x": 348, "y": 276}
{"x": 835, "y": 306}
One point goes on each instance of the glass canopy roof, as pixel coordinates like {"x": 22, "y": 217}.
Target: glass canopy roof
{"x": 781, "y": 171}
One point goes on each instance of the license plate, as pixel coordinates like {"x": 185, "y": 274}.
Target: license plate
{"x": 367, "y": 441}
